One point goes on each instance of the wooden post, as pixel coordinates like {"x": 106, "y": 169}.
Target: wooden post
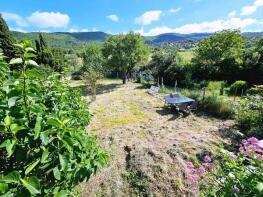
{"x": 175, "y": 85}
{"x": 117, "y": 75}
{"x": 158, "y": 82}
{"x": 162, "y": 82}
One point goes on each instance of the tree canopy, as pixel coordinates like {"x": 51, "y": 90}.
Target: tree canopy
{"x": 6, "y": 40}
{"x": 219, "y": 56}
{"x": 125, "y": 52}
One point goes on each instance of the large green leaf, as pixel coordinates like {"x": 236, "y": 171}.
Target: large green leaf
{"x": 44, "y": 137}
{"x": 3, "y": 188}
{"x": 57, "y": 173}
{"x": 15, "y": 128}
{"x": 259, "y": 187}
{"x": 54, "y": 122}
{"x": 30, "y": 49}
{"x": 10, "y": 146}
{"x": 16, "y": 61}
{"x": 63, "y": 162}
{"x": 44, "y": 156}
{"x": 62, "y": 193}
{"x": 12, "y": 101}
{"x": 12, "y": 177}
{"x": 37, "y": 128}
{"x": 31, "y": 63}
{"x": 32, "y": 184}
{"x": 34, "y": 73}
{"x": 7, "y": 120}
{"x": 31, "y": 167}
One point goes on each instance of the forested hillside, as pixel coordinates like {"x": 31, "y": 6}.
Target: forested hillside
{"x": 78, "y": 39}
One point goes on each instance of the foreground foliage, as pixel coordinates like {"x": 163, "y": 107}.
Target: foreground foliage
{"x": 230, "y": 174}
{"x": 44, "y": 148}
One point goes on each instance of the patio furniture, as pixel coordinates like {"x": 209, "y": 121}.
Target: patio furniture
{"x": 153, "y": 90}
{"x": 183, "y": 104}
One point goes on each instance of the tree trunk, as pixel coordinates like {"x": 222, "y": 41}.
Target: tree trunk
{"x": 124, "y": 77}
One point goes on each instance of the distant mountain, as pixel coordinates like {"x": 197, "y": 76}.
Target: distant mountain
{"x": 87, "y": 36}
{"x": 78, "y": 39}
{"x": 175, "y": 37}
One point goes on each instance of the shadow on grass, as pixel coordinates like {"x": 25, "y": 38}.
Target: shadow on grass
{"x": 105, "y": 88}
{"x": 165, "y": 111}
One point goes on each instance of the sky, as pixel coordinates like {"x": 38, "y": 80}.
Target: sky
{"x": 147, "y": 17}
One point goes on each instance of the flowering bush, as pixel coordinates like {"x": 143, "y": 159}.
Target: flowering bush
{"x": 229, "y": 174}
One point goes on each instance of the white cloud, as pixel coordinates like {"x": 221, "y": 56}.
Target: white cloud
{"x": 148, "y": 17}
{"x": 95, "y": 29}
{"x": 248, "y": 10}
{"x": 8, "y": 16}
{"x": 232, "y": 14}
{"x": 17, "y": 29}
{"x": 209, "y": 27}
{"x": 72, "y": 30}
{"x": 49, "y": 19}
{"x": 84, "y": 30}
{"x": 174, "y": 10}
{"x": 113, "y": 17}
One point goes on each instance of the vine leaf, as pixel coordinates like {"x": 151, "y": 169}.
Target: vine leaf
{"x": 31, "y": 167}
{"x": 32, "y": 184}
{"x": 16, "y": 61}
{"x": 12, "y": 177}
{"x": 37, "y": 128}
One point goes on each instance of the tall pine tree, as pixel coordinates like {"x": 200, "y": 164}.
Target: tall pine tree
{"x": 6, "y": 40}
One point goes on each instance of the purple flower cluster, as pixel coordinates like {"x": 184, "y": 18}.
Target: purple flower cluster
{"x": 194, "y": 172}
{"x": 250, "y": 147}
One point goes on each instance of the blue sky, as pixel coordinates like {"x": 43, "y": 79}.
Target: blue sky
{"x": 148, "y": 17}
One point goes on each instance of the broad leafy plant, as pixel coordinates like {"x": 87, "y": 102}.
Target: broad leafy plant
{"x": 44, "y": 147}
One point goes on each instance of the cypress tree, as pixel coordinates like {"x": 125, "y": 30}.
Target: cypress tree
{"x": 6, "y": 40}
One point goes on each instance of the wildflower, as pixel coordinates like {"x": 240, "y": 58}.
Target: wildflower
{"x": 233, "y": 157}
{"x": 191, "y": 177}
{"x": 253, "y": 140}
{"x": 236, "y": 189}
{"x": 190, "y": 165}
{"x": 207, "y": 159}
{"x": 208, "y": 166}
{"x": 201, "y": 170}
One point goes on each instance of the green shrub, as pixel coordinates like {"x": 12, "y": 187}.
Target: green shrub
{"x": 216, "y": 106}
{"x": 44, "y": 147}
{"x": 165, "y": 90}
{"x": 250, "y": 119}
{"x": 238, "y": 88}
{"x": 193, "y": 94}
{"x": 216, "y": 85}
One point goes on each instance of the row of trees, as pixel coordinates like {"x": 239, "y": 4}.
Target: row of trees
{"x": 222, "y": 56}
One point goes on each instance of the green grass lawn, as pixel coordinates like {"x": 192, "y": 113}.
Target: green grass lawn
{"x": 186, "y": 56}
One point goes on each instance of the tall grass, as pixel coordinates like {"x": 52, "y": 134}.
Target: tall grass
{"x": 217, "y": 107}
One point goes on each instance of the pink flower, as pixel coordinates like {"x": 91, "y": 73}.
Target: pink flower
{"x": 207, "y": 159}
{"x": 241, "y": 149}
{"x": 253, "y": 140}
{"x": 208, "y": 166}
{"x": 201, "y": 170}
{"x": 233, "y": 157}
{"x": 190, "y": 165}
{"x": 260, "y": 144}
{"x": 191, "y": 177}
